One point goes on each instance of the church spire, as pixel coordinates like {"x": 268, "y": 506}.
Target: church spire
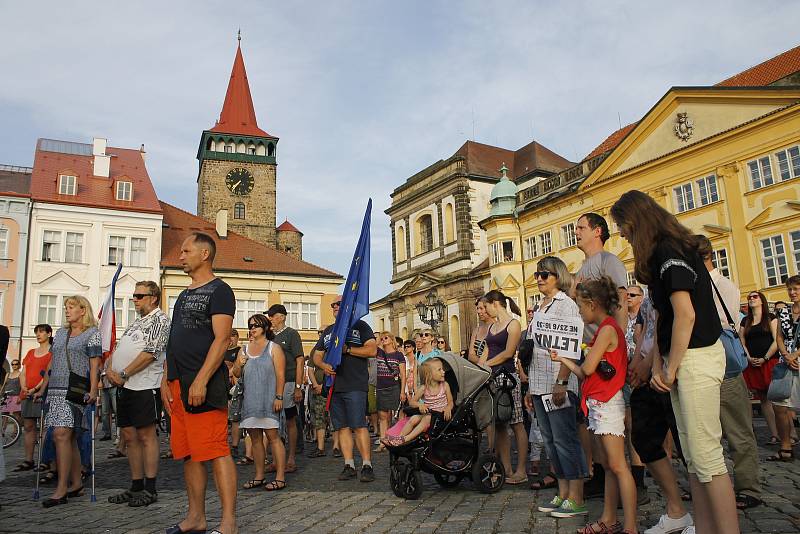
{"x": 238, "y": 115}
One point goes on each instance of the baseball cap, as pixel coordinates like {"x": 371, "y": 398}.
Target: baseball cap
{"x": 276, "y": 308}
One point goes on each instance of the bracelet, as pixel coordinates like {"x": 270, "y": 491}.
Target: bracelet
{"x": 562, "y": 382}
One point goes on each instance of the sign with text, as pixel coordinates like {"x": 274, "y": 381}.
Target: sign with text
{"x": 562, "y": 334}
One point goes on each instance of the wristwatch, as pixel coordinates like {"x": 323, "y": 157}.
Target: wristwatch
{"x": 279, "y": 397}
{"x": 562, "y": 382}
{"x": 123, "y": 375}
{"x": 298, "y": 386}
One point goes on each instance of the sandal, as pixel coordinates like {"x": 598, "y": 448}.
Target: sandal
{"x": 275, "y": 485}
{"x": 614, "y": 528}
{"x": 115, "y": 454}
{"x": 337, "y": 453}
{"x": 121, "y": 498}
{"x": 41, "y": 469}
{"x": 27, "y": 465}
{"x": 48, "y": 477}
{"x": 784, "y": 455}
{"x": 774, "y": 440}
{"x": 255, "y": 483}
{"x": 291, "y": 468}
{"x": 744, "y": 501}
{"x": 516, "y": 480}
{"x": 543, "y": 483}
{"x": 244, "y": 460}
{"x": 142, "y": 498}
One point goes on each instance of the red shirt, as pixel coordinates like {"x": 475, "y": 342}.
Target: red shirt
{"x": 34, "y": 367}
{"x": 595, "y": 387}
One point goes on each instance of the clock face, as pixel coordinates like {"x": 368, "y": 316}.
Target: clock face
{"x": 239, "y": 181}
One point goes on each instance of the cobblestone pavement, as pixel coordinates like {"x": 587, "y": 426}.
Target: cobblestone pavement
{"x": 315, "y": 501}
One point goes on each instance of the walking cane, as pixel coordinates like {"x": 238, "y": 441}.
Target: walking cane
{"x": 92, "y": 408}
{"x": 40, "y": 445}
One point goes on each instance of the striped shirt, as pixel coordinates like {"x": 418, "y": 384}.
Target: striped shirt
{"x": 543, "y": 371}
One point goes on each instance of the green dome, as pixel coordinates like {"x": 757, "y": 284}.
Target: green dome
{"x": 505, "y": 188}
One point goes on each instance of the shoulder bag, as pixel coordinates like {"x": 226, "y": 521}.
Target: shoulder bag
{"x": 780, "y": 387}
{"x": 237, "y": 395}
{"x": 78, "y": 386}
{"x": 735, "y": 355}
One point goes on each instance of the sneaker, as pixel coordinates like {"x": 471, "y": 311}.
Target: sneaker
{"x": 668, "y": 525}
{"x": 367, "y": 474}
{"x": 347, "y": 473}
{"x": 552, "y": 505}
{"x": 568, "y": 508}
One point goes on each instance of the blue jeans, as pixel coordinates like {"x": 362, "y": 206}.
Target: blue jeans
{"x": 560, "y": 434}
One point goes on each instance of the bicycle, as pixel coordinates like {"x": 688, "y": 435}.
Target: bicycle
{"x": 9, "y": 437}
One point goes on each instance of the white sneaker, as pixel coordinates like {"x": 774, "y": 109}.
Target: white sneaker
{"x": 668, "y": 525}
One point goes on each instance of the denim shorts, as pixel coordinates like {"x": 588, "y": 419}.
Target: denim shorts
{"x": 349, "y": 409}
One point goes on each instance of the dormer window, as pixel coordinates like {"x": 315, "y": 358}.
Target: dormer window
{"x": 67, "y": 185}
{"x": 124, "y": 191}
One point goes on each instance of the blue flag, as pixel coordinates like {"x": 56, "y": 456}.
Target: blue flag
{"x": 355, "y": 296}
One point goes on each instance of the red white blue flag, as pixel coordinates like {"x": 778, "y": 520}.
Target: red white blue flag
{"x": 107, "y": 317}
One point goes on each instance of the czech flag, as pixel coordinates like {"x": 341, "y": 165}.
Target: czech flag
{"x": 107, "y": 317}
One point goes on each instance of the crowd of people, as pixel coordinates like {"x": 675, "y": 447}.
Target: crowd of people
{"x": 655, "y": 381}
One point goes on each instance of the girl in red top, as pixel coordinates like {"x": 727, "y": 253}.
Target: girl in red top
{"x": 33, "y": 382}
{"x": 603, "y": 373}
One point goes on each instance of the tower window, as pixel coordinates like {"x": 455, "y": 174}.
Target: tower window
{"x": 271, "y": 149}
{"x": 229, "y": 148}
{"x": 238, "y": 210}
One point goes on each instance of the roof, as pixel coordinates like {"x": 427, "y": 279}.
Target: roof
{"x": 232, "y": 251}
{"x": 768, "y": 72}
{"x": 486, "y": 160}
{"x": 286, "y": 226}
{"x": 16, "y": 180}
{"x": 238, "y": 115}
{"x": 53, "y": 158}
{"x": 765, "y": 73}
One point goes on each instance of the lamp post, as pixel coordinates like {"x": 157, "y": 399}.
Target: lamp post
{"x": 431, "y": 310}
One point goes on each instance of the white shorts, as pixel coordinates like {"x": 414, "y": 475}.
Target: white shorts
{"x": 607, "y": 418}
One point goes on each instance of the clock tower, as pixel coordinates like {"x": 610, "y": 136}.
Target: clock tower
{"x": 238, "y": 166}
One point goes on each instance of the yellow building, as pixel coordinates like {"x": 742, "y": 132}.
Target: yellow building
{"x": 725, "y": 159}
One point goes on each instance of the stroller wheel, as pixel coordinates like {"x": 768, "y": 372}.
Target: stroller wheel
{"x": 412, "y": 484}
{"x": 448, "y": 481}
{"x": 488, "y": 474}
{"x": 397, "y": 473}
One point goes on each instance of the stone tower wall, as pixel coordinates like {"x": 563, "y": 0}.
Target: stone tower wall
{"x": 291, "y": 243}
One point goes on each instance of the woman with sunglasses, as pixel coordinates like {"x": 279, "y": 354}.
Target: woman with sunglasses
{"x": 758, "y": 332}
{"x": 441, "y": 344}
{"x": 552, "y": 381}
{"x": 409, "y": 351}
{"x": 477, "y": 343}
{"x": 788, "y": 339}
{"x": 260, "y": 366}
{"x": 390, "y": 383}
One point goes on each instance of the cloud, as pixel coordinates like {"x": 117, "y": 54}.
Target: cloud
{"x": 362, "y": 94}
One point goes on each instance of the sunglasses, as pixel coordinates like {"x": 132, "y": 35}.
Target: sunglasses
{"x": 335, "y": 304}
{"x": 15, "y": 364}
{"x": 426, "y": 335}
{"x": 254, "y": 325}
{"x": 752, "y": 297}
{"x": 440, "y": 342}
{"x": 140, "y": 296}
{"x": 544, "y": 275}
{"x": 632, "y": 295}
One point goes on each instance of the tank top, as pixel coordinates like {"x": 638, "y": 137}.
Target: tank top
{"x": 495, "y": 344}
{"x": 436, "y": 402}
{"x": 595, "y": 387}
{"x": 259, "y": 379}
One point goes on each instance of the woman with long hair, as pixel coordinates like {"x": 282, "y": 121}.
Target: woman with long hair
{"x": 260, "y": 366}
{"x": 788, "y": 339}
{"x": 502, "y": 341}
{"x": 76, "y": 349}
{"x": 477, "y": 343}
{"x": 390, "y": 383}
{"x": 758, "y": 332}
{"x": 690, "y": 363}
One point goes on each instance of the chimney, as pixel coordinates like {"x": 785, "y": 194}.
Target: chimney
{"x": 102, "y": 161}
{"x": 222, "y": 224}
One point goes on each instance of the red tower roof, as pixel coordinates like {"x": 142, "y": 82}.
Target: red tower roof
{"x": 286, "y": 226}
{"x": 238, "y": 115}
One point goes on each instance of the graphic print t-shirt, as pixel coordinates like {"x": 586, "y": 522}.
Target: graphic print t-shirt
{"x": 191, "y": 334}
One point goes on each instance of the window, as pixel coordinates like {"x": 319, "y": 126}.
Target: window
{"x": 171, "y": 305}
{"x": 228, "y": 148}
{"x": 719, "y": 258}
{"x": 3, "y": 243}
{"x": 131, "y": 312}
{"x": 760, "y": 172}
{"x": 51, "y": 246}
{"x": 708, "y": 189}
{"x": 530, "y": 248}
{"x": 496, "y": 253}
{"x": 67, "y": 185}
{"x": 238, "y": 210}
{"x": 251, "y": 150}
{"x": 684, "y": 198}
{"x": 631, "y": 278}
{"x": 425, "y": 230}
{"x": 73, "y": 250}
{"x": 246, "y": 308}
{"x": 508, "y": 250}
{"x": 545, "y": 243}
{"x": 789, "y": 162}
{"x": 138, "y": 252}
{"x": 400, "y": 243}
{"x": 118, "y": 302}
{"x": 568, "y": 238}
{"x": 302, "y": 315}
{"x": 449, "y": 224}
{"x": 116, "y": 250}
{"x": 534, "y": 301}
{"x": 124, "y": 190}
{"x": 48, "y": 309}
{"x": 795, "y": 238}
{"x": 774, "y": 258}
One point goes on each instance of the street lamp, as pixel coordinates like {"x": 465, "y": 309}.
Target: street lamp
{"x": 431, "y": 310}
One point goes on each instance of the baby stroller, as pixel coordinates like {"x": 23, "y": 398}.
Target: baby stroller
{"x": 450, "y": 450}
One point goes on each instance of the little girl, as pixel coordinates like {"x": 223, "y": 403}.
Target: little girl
{"x": 433, "y": 399}
{"x": 602, "y": 400}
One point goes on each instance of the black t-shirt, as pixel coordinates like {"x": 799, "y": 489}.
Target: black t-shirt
{"x": 353, "y": 372}
{"x": 231, "y": 354}
{"x": 672, "y": 271}
{"x": 191, "y": 333}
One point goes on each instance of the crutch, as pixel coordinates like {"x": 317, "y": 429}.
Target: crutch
{"x": 40, "y": 446}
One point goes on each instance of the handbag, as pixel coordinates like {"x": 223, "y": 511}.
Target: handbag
{"x": 780, "y": 387}
{"x": 606, "y": 370}
{"x": 237, "y": 396}
{"x": 735, "y": 355}
{"x": 77, "y": 386}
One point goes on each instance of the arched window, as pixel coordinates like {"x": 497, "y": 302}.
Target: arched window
{"x": 271, "y": 149}
{"x": 449, "y": 224}
{"x": 455, "y": 334}
{"x": 400, "y": 243}
{"x": 404, "y": 333}
{"x": 424, "y": 234}
{"x": 238, "y": 210}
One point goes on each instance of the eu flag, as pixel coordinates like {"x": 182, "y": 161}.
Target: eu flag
{"x": 355, "y": 297}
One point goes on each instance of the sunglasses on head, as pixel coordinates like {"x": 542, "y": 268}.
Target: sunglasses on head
{"x": 544, "y": 275}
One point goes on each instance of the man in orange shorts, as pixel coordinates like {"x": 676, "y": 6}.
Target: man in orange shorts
{"x": 194, "y": 388}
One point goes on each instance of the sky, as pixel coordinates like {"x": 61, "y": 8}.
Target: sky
{"x": 361, "y": 94}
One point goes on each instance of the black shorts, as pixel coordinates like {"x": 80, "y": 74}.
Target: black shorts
{"x": 651, "y": 419}
{"x": 138, "y": 408}
{"x": 290, "y": 413}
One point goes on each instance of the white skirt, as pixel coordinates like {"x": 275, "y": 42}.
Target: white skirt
{"x": 259, "y": 422}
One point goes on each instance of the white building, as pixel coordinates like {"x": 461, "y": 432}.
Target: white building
{"x": 93, "y": 207}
